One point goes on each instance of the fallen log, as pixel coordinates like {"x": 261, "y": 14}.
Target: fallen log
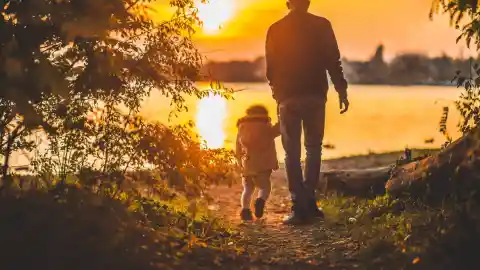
{"x": 355, "y": 182}
{"x": 433, "y": 173}
{"x": 436, "y": 173}
{"x": 361, "y": 181}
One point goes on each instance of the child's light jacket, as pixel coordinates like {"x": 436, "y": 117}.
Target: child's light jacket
{"x": 255, "y": 146}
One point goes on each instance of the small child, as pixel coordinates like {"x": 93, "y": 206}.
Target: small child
{"x": 256, "y": 153}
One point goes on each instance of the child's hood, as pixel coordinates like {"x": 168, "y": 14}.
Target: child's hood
{"x": 254, "y": 119}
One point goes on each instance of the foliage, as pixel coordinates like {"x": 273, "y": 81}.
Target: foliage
{"x": 107, "y": 149}
{"x": 469, "y": 102}
{"x": 77, "y": 229}
{"x": 410, "y": 234}
{"x": 464, "y": 15}
{"x": 96, "y": 49}
{"x": 62, "y": 60}
{"x": 13, "y": 137}
{"x": 443, "y": 127}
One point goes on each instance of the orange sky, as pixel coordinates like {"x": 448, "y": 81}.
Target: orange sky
{"x": 401, "y": 25}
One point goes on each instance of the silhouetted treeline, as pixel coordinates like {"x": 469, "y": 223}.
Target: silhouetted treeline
{"x": 236, "y": 71}
{"x": 404, "y": 69}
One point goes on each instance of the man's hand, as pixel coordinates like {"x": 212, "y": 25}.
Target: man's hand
{"x": 344, "y": 104}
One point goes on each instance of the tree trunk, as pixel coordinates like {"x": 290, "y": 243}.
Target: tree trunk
{"x": 11, "y": 138}
{"x": 435, "y": 173}
{"x": 6, "y": 181}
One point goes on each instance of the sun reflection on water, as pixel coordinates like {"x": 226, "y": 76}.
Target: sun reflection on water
{"x": 211, "y": 114}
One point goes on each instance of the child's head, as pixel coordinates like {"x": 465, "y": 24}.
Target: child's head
{"x": 257, "y": 110}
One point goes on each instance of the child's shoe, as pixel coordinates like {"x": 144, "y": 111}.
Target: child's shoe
{"x": 259, "y": 207}
{"x": 246, "y": 215}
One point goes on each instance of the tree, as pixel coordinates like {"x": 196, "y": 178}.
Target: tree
{"x": 61, "y": 56}
{"x": 409, "y": 68}
{"x": 95, "y": 49}
{"x": 443, "y": 68}
{"x": 12, "y": 135}
{"x": 464, "y": 15}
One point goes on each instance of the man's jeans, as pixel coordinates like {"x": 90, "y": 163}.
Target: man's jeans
{"x": 293, "y": 113}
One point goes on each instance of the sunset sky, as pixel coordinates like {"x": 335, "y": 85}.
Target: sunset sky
{"x": 401, "y": 25}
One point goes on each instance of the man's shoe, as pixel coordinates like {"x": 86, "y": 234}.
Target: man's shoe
{"x": 296, "y": 218}
{"x": 246, "y": 215}
{"x": 259, "y": 207}
{"x": 314, "y": 211}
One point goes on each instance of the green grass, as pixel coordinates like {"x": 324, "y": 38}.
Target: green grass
{"x": 408, "y": 234}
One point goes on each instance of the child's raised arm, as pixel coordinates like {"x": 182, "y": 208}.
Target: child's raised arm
{"x": 276, "y": 130}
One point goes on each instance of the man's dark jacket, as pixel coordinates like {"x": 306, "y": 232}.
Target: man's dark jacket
{"x": 300, "y": 49}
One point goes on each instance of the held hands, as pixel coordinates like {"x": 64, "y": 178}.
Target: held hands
{"x": 344, "y": 104}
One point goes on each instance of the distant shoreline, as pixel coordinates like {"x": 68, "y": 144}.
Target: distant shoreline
{"x": 446, "y": 84}
{"x": 409, "y": 69}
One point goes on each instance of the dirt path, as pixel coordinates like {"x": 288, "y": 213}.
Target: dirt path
{"x": 322, "y": 244}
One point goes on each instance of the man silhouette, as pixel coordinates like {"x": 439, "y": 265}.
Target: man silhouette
{"x": 300, "y": 49}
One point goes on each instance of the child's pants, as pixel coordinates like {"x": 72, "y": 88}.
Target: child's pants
{"x": 261, "y": 181}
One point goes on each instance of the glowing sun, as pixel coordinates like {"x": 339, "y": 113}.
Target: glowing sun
{"x": 211, "y": 114}
{"x": 215, "y": 13}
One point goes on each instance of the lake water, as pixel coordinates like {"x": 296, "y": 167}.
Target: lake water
{"x": 381, "y": 118}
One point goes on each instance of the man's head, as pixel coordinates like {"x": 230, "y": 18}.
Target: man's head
{"x": 300, "y": 5}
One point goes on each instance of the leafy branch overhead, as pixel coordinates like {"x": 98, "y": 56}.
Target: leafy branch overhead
{"x": 94, "y": 49}
{"x": 464, "y": 15}
{"x": 60, "y": 60}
